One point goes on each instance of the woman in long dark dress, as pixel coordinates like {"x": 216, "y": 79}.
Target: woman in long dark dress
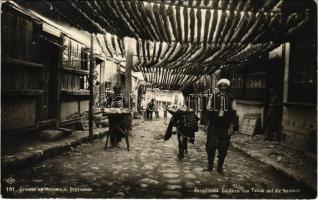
{"x": 115, "y": 122}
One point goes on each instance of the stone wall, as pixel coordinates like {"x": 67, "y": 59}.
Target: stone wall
{"x": 298, "y": 123}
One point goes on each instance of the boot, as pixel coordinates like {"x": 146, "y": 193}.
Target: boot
{"x": 112, "y": 141}
{"x": 210, "y": 163}
{"x": 185, "y": 143}
{"x": 220, "y": 166}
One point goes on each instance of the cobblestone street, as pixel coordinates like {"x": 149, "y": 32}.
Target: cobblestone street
{"x": 150, "y": 169}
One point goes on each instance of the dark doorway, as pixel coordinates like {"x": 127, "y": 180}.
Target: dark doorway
{"x": 50, "y": 55}
{"x": 276, "y": 76}
{"x": 122, "y": 81}
{"x": 275, "y": 80}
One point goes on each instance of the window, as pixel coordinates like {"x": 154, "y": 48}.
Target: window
{"x": 75, "y": 66}
{"x": 75, "y": 55}
{"x": 107, "y": 85}
{"x": 237, "y": 74}
{"x": 237, "y": 77}
{"x": 303, "y": 71}
{"x": 248, "y": 81}
{"x": 255, "y": 80}
{"x": 303, "y": 63}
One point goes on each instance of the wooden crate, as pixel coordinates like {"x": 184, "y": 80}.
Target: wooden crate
{"x": 250, "y": 124}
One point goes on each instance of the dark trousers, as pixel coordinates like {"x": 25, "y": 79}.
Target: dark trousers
{"x": 182, "y": 144}
{"x": 165, "y": 115}
{"x": 217, "y": 139}
{"x": 150, "y": 115}
{"x": 145, "y": 115}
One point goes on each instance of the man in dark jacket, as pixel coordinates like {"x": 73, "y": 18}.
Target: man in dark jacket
{"x": 222, "y": 115}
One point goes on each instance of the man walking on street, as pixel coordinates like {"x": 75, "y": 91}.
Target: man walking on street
{"x": 221, "y": 121}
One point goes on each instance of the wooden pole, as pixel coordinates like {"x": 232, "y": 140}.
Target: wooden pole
{"x": 118, "y": 75}
{"x": 128, "y": 77}
{"x": 58, "y": 92}
{"x": 285, "y": 55}
{"x": 91, "y": 91}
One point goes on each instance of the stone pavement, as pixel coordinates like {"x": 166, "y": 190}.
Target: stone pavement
{"x": 289, "y": 162}
{"x": 150, "y": 169}
{"x": 23, "y": 152}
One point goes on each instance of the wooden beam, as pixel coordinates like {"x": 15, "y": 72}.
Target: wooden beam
{"x": 21, "y": 63}
{"x": 22, "y": 92}
{"x": 77, "y": 71}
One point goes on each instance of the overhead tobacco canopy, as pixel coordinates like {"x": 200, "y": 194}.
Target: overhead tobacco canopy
{"x": 177, "y": 41}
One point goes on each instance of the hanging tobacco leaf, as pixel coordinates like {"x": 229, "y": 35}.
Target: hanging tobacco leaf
{"x": 220, "y": 26}
{"x": 214, "y": 22}
{"x": 178, "y": 20}
{"x": 192, "y": 25}
{"x": 159, "y": 21}
{"x": 163, "y": 14}
{"x": 150, "y": 14}
{"x": 147, "y": 20}
{"x": 114, "y": 44}
{"x": 199, "y": 24}
{"x": 227, "y": 25}
{"x": 206, "y": 25}
{"x": 107, "y": 46}
{"x": 172, "y": 19}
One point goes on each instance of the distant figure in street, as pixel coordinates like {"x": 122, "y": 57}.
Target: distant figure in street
{"x": 146, "y": 115}
{"x": 272, "y": 118}
{"x": 221, "y": 121}
{"x": 116, "y": 101}
{"x": 150, "y": 109}
{"x": 165, "y": 109}
{"x": 156, "y": 111}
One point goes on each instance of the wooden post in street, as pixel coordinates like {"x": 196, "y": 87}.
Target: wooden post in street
{"x": 128, "y": 78}
{"x": 118, "y": 74}
{"x": 91, "y": 90}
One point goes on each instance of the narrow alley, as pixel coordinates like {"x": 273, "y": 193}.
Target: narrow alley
{"x": 162, "y": 99}
{"x": 150, "y": 169}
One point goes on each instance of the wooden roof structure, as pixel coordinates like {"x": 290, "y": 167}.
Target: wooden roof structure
{"x": 177, "y": 41}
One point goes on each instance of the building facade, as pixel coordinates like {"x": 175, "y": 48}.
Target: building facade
{"x": 45, "y": 71}
{"x": 291, "y": 73}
